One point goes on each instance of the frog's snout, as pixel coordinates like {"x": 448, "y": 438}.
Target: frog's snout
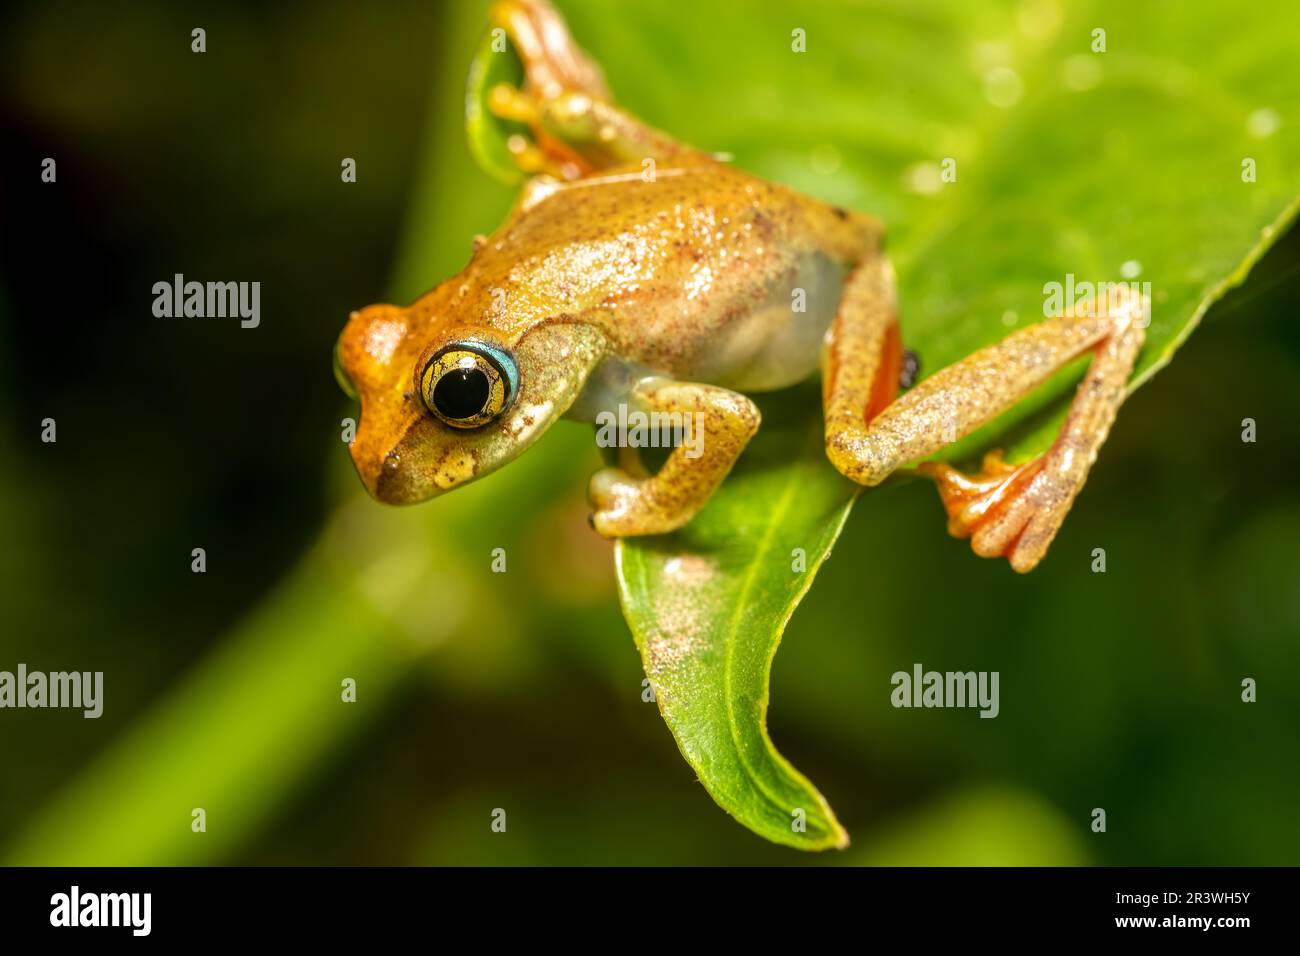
{"x": 377, "y": 471}
{"x": 390, "y": 486}
{"x": 412, "y": 469}
{"x": 388, "y": 478}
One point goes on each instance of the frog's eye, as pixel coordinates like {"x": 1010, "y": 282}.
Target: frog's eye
{"x": 467, "y": 384}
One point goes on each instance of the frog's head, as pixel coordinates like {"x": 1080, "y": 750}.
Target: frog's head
{"x": 443, "y": 403}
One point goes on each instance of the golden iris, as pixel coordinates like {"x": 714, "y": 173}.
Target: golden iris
{"x": 464, "y": 387}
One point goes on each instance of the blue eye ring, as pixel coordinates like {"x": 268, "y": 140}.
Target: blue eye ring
{"x": 469, "y": 383}
{"x": 505, "y": 363}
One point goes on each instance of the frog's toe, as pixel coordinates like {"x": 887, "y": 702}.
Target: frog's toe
{"x": 552, "y": 159}
{"x": 510, "y": 103}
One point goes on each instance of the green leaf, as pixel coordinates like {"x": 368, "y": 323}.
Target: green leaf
{"x": 707, "y": 607}
{"x": 488, "y": 134}
{"x": 1108, "y": 166}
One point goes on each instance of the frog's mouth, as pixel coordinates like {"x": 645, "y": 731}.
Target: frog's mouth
{"x": 425, "y": 462}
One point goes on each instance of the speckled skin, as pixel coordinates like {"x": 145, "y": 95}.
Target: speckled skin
{"x": 686, "y": 278}
{"x": 634, "y": 269}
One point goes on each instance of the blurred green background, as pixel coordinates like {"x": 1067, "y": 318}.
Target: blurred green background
{"x": 522, "y": 690}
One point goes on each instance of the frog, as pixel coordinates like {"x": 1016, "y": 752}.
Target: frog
{"x": 635, "y": 271}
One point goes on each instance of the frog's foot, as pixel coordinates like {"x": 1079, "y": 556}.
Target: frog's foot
{"x": 1009, "y": 511}
{"x": 546, "y": 153}
{"x": 624, "y": 506}
{"x": 553, "y": 63}
{"x": 712, "y": 427}
{"x": 576, "y": 129}
{"x": 1014, "y": 511}
{"x": 560, "y": 84}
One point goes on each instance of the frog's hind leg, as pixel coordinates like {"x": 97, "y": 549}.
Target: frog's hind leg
{"x": 713, "y": 424}
{"x": 1010, "y": 511}
{"x": 564, "y": 100}
{"x": 1016, "y": 511}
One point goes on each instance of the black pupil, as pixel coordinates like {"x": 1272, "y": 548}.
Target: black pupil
{"x": 461, "y": 393}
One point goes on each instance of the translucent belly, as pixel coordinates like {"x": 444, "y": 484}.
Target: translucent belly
{"x": 774, "y": 344}
{"x": 778, "y": 342}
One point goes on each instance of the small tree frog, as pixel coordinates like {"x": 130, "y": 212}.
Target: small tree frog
{"x": 635, "y": 270}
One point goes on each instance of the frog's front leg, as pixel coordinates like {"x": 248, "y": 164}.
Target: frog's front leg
{"x": 714, "y": 423}
{"x": 577, "y": 128}
{"x": 1010, "y": 511}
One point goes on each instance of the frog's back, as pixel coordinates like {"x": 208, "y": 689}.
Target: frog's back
{"x": 702, "y": 272}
